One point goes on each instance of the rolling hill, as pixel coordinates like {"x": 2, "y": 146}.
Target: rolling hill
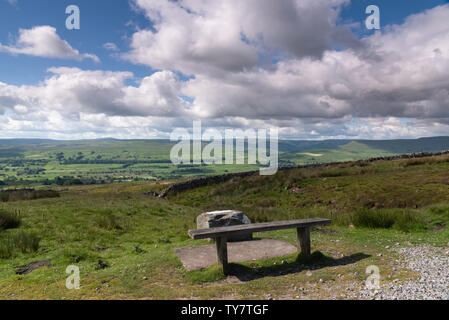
{"x": 45, "y": 162}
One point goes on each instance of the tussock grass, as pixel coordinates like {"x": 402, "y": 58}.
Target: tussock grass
{"x": 108, "y": 221}
{"x": 6, "y": 249}
{"x": 24, "y": 195}
{"x": 20, "y": 241}
{"x": 9, "y": 220}
{"x": 4, "y": 197}
{"x": 336, "y": 191}
{"x": 26, "y": 242}
{"x": 403, "y": 220}
{"x": 334, "y": 173}
{"x": 423, "y": 161}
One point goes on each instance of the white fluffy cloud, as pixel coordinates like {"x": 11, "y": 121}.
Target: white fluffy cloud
{"x": 253, "y": 64}
{"x": 397, "y": 73}
{"x": 74, "y": 103}
{"x": 70, "y": 91}
{"x": 208, "y": 37}
{"x": 43, "y": 41}
{"x": 400, "y": 73}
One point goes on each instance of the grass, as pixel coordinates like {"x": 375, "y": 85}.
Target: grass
{"x": 24, "y": 241}
{"x": 211, "y": 274}
{"x": 37, "y": 163}
{"x": 21, "y": 241}
{"x": 353, "y": 150}
{"x": 124, "y": 242}
{"x": 107, "y": 221}
{"x": 424, "y": 161}
{"x": 9, "y": 220}
{"x": 336, "y": 192}
{"x": 22, "y": 195}
{"x": 45, "y": 162}
{"x": 403, "y": 220}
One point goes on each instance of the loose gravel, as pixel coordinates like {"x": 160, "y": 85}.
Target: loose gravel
{"x": 432, "y": 266}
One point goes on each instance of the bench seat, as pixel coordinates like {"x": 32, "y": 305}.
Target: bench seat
{"x": 222, "y": 233}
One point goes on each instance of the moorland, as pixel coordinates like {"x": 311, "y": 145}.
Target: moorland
{"x": 123, "y": 241}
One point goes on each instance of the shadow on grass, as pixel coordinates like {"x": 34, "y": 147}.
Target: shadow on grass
{"x": 316, "y": 261}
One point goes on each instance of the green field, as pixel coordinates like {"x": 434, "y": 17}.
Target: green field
{"x": 47, "y": 162}
{"x": 95, "y": 162}
{"x": 123, "y": 241}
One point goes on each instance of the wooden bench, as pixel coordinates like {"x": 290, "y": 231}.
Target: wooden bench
{"x": 223, "y": 233}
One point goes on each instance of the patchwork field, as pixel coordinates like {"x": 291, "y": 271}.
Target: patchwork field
{"x": 95, "y": 162}
{"x": 47, "y": 162}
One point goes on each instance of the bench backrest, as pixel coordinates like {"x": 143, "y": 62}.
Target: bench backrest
{"x": 256, "y": 227}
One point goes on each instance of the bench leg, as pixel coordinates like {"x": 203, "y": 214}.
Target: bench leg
{"x": 222, "y": 253}
{"x": 303, "y": 237}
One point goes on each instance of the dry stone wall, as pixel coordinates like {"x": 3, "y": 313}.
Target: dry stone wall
{"x": 204, "y": 181}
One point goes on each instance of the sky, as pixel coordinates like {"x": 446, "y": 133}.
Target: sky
{"x": 142, "y": 68}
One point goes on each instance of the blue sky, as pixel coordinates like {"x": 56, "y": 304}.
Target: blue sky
{"x": 102, "y": 21}
{"x": 115, "y": 21}
{"x": 392, "y": 11}
{"x": 169, "y": 68}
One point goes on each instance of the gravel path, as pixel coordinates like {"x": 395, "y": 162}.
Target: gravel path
{"x": 432, "y": 265}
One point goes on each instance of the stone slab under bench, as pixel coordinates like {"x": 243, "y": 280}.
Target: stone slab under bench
{"x": 201, "y": 257}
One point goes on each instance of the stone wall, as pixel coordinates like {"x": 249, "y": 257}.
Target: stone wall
{"x": 201, "y": 182}
{"x": 17, "y": 190}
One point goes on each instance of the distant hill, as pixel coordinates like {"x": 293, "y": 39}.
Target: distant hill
{"x": 410, "y": 146}
{"x": 300, "y": 145}
{"x": 300, "y": 152}
{"x": 393, "y": 146}
{"x": 15, "y": 142}
{"x": 42, "y": 161}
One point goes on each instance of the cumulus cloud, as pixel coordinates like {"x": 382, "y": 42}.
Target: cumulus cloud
{"x": 43, "y": 41}
{"x": 75, "y": 103}
{"x": 397, "y": 73}
{"x": 71, "y": 91}
{"x": 197, "y": 36}
{"x": 253, "y": 64}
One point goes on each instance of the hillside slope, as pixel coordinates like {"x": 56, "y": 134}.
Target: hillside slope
{"x": 346, "y": 150}
{"x": 124, "y": 241}
{"x": 335, "y": 191}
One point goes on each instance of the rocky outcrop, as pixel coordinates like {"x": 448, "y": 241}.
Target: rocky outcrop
{"x": 152, "y": 194}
